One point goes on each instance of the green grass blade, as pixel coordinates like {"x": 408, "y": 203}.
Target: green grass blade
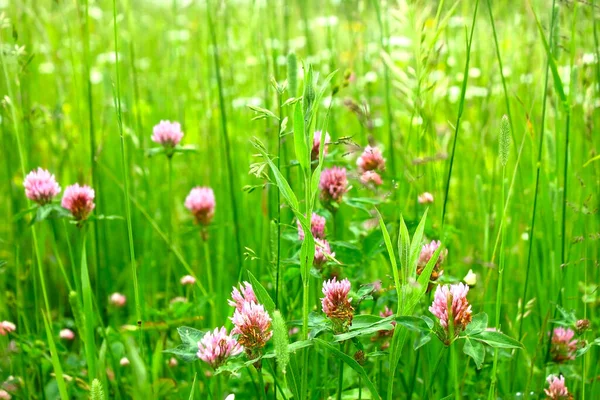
{"x": 58, "y": 372}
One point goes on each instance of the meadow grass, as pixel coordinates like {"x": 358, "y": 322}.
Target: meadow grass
{"x": 83, "y": 84}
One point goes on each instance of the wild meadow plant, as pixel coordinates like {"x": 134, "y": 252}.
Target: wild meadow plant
{"x": 421, "y": 225}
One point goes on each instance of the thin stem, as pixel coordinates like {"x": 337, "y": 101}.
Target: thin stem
{"x": 261, "y": 384}
{"x": 563, "y": 258}
{"x": 61, "y": 266}
{"x": 92, "y": 138}
{"x": 383, "y": 35}
{"x": 454, "y": 357}
{"x": 305, "y": 298}
{"x": 492, "y": 392}
{"x": 537, "y": 179}
{"x": 117, "y": 100}
{"x": 460, "y": 111}
{"x": 506, "y": 98}
{"x": 169, "y": 224}
{"x": 209, "y": 273}
{"x": 278, "y": 203}
{"x": 340, "y": 377}
{"x": 228, "y": 157}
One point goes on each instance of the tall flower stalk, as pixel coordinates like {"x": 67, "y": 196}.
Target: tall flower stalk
{"x": 504, "y": 149}
{"x": 168, "y": 134}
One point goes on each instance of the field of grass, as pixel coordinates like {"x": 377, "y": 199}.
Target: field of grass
{"x": 491, "y": 107}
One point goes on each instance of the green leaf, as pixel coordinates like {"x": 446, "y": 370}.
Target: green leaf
{"x": 365, "y": 290}
{"x": 416, "y": 245}
{"x": 478, "y": 324}
{"x": 154, "y": 151}
{"x": 581, "y": 351}
{"x": 300, "y": 144}
{"x": 423, "y": 282}
{"x": 261, "y": 294}
{"x": 497, "y": 340}
{"x": 188, "y": 148}
{"x": 366, "y": 320}
{"x": 292, "y": 74}
{"x": 23, "y": 213}
{"x": 422, "y": 340}
{"x": 106, "y": 217}
{"x": 282, "y": 184}
{"x": 366, "y": 328}
{"x": 307, "y": 254}
{"x": 184, "y": 352}
{"x": 475, "y": 350}
{"x": 404, "y": 251}
{"x": 390, "y": 249}
{"x": 58, "y": 372}
{"x": 189, "y": 335}
{"x": 362, "y": 203}
{"x": 262, "y": 112}
{"x": 352, "y": 364}
{"x": 568, "y": 317}
{"x": 417, "y": 324}
{"x": 396, "y": 345}
{"x": 49, "y": 210}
